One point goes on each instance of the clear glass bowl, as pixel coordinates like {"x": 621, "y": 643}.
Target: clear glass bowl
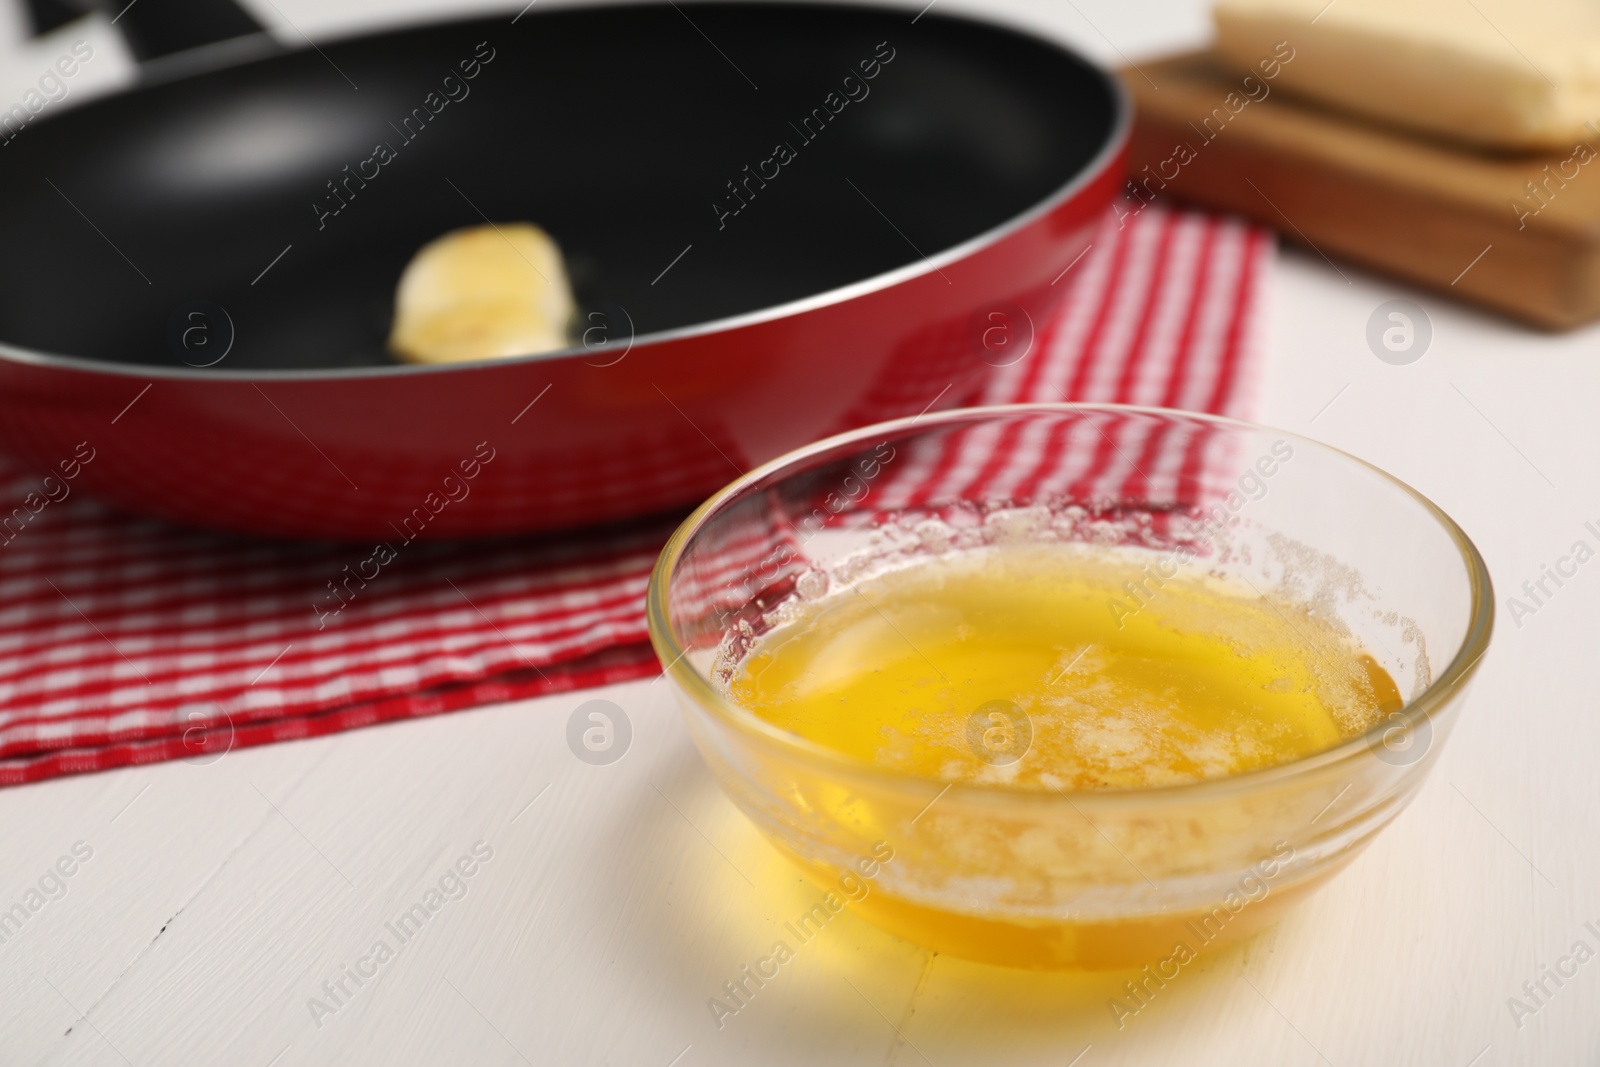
{"x": 1094, "y": 879}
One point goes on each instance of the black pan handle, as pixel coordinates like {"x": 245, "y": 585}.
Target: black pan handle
{"x": 155, "y": 28}
{"x": 46, "y": 15}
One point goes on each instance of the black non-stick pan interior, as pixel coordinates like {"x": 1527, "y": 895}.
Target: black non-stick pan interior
{"x": 619, "y": 129}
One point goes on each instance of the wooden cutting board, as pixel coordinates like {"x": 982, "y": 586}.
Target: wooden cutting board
{"x": 1464, "y": 223}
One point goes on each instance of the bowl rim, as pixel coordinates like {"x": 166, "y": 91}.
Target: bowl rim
{"x": 1103, "y": 161}
{"x": 1425, "y": 708}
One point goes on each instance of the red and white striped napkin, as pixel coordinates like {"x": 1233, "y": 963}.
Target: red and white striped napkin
{"x": 127, "y": 640}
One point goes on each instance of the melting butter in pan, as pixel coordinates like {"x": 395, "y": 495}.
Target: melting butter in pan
{"x": 481, "y": 293}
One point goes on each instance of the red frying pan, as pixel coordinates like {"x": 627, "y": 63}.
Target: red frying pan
{"x": 782, "y": 220}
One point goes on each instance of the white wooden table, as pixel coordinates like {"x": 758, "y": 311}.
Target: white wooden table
{"x": 218, "y": 900}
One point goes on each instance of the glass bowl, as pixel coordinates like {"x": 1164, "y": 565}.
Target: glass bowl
{"x": 1087, "y": 879}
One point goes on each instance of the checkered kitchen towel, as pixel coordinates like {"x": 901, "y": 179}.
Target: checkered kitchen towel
{"x": 128, "y": 640}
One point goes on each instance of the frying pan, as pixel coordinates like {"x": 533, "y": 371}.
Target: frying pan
{"x": 197, "y": 276}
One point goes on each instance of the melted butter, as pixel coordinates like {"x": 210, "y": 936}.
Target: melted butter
{"x": 1039, "y": 666}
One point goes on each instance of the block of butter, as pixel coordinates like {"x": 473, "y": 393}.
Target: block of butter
{"x": 482, "y": 293}
{"x": 1507, "y": 74}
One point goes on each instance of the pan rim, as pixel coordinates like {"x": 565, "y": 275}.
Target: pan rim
{"x": 1110, "y": 150}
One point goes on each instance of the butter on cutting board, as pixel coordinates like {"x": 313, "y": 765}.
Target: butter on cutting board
{"x": 1506, "y": 74}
